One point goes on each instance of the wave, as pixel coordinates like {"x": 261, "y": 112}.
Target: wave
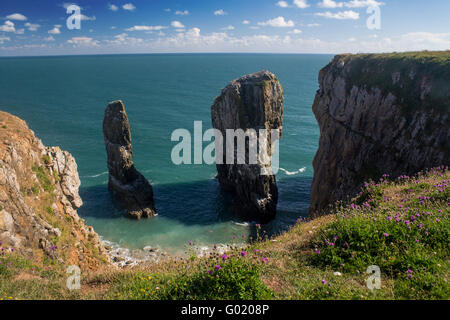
{"x": 96, "y": 175}
{"x": 291, "y": 173}
{"x": 244, "y": 224}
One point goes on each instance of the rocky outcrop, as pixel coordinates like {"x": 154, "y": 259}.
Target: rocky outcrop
{"x": 254, "y": 102}
{"x": 130, "y": 186}
{"x": 379, "y": 114}
{"x": 39, "y": 201}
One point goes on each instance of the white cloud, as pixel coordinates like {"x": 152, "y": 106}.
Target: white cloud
{"x": 55, "y": 30}
{"x": 16, "y": 16}
{"x": 113, "y": 27}
{"x": 413, "y": 41}
{"x": 193, "y": 33}
{"x": 220, "y": 12}
{"x": 65, "y": 5}
{"x": 3, "y": 39}
{"x": 145, "y": 28}
{"x": 49, "y": 38}
{"x": 20, "y": 31}
{"x": 83, "y": 41}
{"x": 311, "y": 25}
{"x": 121, "y": 37}
{"x": 302, "y": 4}
{"x": 8, "y": 27}
{"x": 177, "y": 24}
{"x": 279, "y": 22}
{"x": 296, "y": 31}
{"x": 282, "y": 4}
{"x": 343, "y": 15}
{"x": 230, "y": 27}
{"x": 167, "y": 10}
{"x": 86, "y": 18}
{"x": 124, "y": 39}
{"x": 32, "y": 26}
{"x": 182, "y": 13}
{"x": 330, "y": 4}
{"x": 427, "y": 38}
{"x": 193, "y": 40}
{"x": 362, "y": 3}
{"x": 113, "y": 7}
{"x": 129, "y": 7}
{"x": 32, "y": 46}
{"x": 246, "y": 22}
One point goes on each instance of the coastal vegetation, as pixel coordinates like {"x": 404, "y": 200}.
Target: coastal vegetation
{"x": 397, "y": 73}
{"x": 400, "y": 225}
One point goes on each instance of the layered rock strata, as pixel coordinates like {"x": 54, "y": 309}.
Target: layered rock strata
{"x": 39, "y": 201}
{"x": 251, "y": 103}
{"x": 379, "y": 114}
{"x": 128, "y": 184}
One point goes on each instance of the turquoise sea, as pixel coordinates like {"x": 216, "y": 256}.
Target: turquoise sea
{"x": 63, "y": 101}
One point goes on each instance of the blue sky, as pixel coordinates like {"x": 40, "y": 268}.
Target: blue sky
{"x": 30, "y": 27}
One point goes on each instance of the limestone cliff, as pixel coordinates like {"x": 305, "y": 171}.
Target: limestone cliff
{"x": 39, "y": 198}
{"x": 379, "y": 114}
{"x": 254, "y": 102}
{"x": 131, "y": 187}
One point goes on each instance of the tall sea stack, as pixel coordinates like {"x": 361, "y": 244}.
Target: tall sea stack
{"x": 130, "y": 186}
{"x": 379, "y": 114}
{"x": 254, "y": 101}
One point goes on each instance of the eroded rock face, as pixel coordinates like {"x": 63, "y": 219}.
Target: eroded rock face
{"x": 130, "y": 186}
{"x": 377, "y": 115}
{"x": 254, "y": 101}
{"x": 39, "y": 201}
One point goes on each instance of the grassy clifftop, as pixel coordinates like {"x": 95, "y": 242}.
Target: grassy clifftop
{"x": 401, "y": 226}
{"x": 417, "y": 79}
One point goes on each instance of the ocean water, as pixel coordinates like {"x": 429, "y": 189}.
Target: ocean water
{"x": 63, "y": 101}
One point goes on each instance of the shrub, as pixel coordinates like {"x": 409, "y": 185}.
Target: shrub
{"x": 405, "y": 233}
{"x": 233, "y": 279}
{"x": 44, "y": 180}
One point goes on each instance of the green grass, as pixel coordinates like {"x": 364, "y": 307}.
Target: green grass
{"x": 405, "y": 233}
{"x": 44, "y": 179}
{"x": 237, "y": 279}
{"x": 46, "y": 159}
{"x": 401, "y": 226}
{"x": 49, "y": 210}
{"x": 376, "y": 71}
{"x": 12, "y": 264}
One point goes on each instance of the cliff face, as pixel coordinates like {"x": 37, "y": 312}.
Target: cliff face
{"x": 379, "y": 114}
{"x": 131, "y": 187}
{"x": 39, "y": 198}
{"x": 254, "y": 102}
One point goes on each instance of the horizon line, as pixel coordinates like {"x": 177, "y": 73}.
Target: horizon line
{"x": 212, "y": 53}
{"x": 160, "y": 53}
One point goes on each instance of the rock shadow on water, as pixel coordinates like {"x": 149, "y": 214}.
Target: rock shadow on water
{"x": 293, "y": 204}
{"x": 203, "y": 203}
{"x": 190, "y": 203}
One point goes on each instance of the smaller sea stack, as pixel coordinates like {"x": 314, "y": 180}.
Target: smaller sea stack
{"x": 128, "y": 184}
{"x": 251, "y": 104}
